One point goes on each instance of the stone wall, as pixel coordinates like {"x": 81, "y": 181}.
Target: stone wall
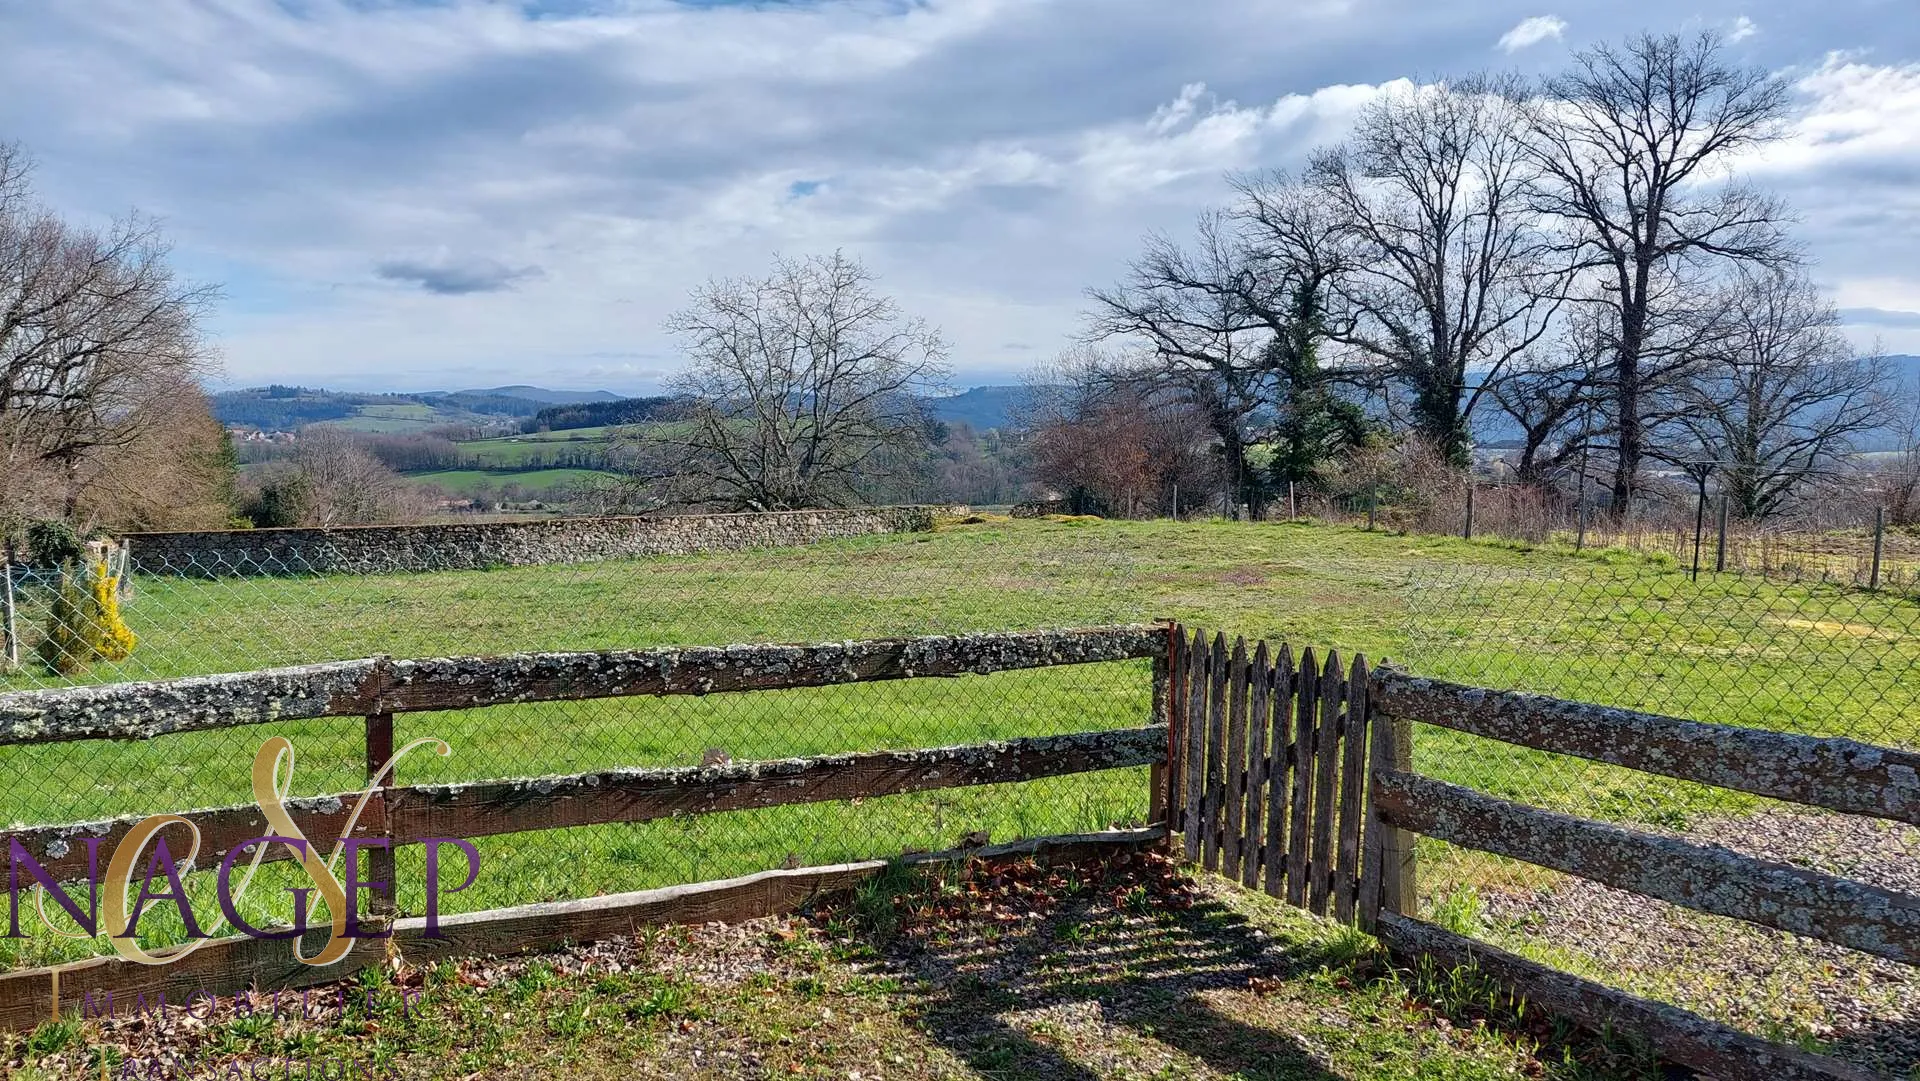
{"x": 471, "y": 546}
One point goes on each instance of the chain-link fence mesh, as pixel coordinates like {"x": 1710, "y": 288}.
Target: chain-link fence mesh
{"x": 1616, "y": 626}
{"x": 1841, "y": 541}
{"x": 208, "y": 616}
{"x": 1813, "y": 657}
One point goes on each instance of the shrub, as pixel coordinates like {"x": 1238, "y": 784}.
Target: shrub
{"x": 84, "y": 624}
{"x": 54, "y": 542}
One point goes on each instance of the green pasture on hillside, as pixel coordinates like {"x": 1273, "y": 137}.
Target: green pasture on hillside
{"x": 518, "y": 450}
{"x": 466, "y": 483}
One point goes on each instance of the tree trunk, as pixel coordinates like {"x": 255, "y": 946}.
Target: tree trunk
{"x": 1632, "y": 441}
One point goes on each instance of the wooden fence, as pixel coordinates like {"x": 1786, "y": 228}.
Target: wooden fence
{"x": 375, "y": 689}
{"x": 1298, "y": 778}
{"x": 1271, "y": 755}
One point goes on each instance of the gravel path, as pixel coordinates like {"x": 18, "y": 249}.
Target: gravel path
{"x": 1776, "y": 984}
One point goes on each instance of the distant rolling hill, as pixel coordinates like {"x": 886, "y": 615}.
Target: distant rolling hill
{"x": 547, "y": 397}
{"x": 982, "y": 407}
{"x": 288, "y": 408}
{"x": 1493, "y": 429}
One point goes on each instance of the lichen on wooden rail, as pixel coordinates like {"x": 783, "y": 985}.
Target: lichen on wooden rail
{"x": 461, "y": 683}
{"x": 1680, "y": 1037}
{"x": 1830, "y": 772}
{"x": 1706, "y": 878}
{"x": 62, "y": 849}
{"x": 142, "y": 710}
{"x": 492, "y": 807}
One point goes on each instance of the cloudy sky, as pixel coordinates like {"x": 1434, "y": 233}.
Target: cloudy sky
{"x": 454, "y": 194}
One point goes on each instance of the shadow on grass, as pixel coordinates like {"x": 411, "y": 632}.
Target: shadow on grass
{"x": 1892, "y": 1046}
{"x": 1075, "y": 995}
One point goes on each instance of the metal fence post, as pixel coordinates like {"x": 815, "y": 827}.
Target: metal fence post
{"x": 9, "y": 625}
{"x": 1720, "y": 550}
{"x": 1879, "y": 541}
{"x": 1467, "y": 532}
{"x": 1699, "y": 527}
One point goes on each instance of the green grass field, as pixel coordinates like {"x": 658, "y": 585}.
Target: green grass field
{"x": 466, "y": 483}
{"x": 1601, "y": 627}
{"x": 517, "y": 450}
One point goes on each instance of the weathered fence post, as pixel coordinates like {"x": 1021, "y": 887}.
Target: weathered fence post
{"x": 1373, "y": 505}
{"x": 1194, "y": 668}
{"x": 1467, "y": 533}
{"x": 380, "y": 862}
{"x": 1163, "y": 776}
{"x": 1387, "y": 877}
{"x": 1879, "y": 541}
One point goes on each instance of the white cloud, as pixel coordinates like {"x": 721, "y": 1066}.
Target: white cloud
{"x": 1743, "y": 28}
{"x": 1850, "y": 169}
{"x": 423, "y": 194}
{"x": 1531, "y": 32}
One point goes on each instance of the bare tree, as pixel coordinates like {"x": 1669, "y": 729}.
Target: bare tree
{"x": 344, "y": 484}
{"x": 1206, "y": 344}
{"x": 96, "y": 335}
{"x": 177, "y": 472}
{"x": 1448, "y": 276}
{"x": 1780, "y": 400}
{"x": 1232, "y": 324}
{"x": 1296, "y": 247}
{"x": 1895, "y": 476}
{"x": 1556, "y": 394}
{"x": 1112, "y": 441}
{"x": 800, "y": 384}
{"x": 1629, "y": 145}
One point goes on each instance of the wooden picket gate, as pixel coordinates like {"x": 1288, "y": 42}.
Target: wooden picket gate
{"x": 1297, "y": 778}
{"x": 1269, "y": 782}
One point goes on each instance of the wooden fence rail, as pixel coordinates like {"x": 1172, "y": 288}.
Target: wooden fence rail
{"x": 376, "y": 689}
{"x": 1836, "y": 774}
{"x": 377, "y": 685}
{"x": 1298, "y": 779}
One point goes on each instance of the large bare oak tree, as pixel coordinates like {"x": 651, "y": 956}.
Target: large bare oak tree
{"x": 1448, "y": 278}
{"x": 1780, "y": 397}
{"x": 1632, "y": 146}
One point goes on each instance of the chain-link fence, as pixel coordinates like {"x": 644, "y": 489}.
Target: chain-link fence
{"x": 1616, "y": 627}
{"x": 1812, "y": 657}
{"x": 1848, "y": 542}
{"x": 197, "y": 618}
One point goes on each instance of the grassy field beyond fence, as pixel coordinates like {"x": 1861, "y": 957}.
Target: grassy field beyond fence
{"x": 1606, "y": 627}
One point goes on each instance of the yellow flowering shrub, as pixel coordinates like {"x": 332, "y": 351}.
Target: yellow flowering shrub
{"x": 84, "y": 624}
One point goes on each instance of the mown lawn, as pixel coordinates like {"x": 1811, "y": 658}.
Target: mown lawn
{"x": 1604, "y": 627}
